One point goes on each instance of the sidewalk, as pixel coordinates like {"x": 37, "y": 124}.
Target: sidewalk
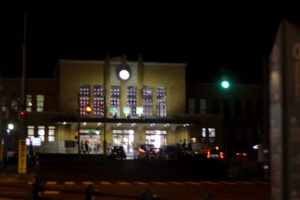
{"x": 10, "y": 174}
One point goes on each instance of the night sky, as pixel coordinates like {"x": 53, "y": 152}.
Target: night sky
{"x": 206, "y": 42}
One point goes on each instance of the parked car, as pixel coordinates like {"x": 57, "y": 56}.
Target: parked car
{"x": 215, "y": 154}
{"x": 117, "y": 152}
{"x": 142, "y": 152}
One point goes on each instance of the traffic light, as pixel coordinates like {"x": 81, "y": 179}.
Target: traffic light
{"x": 22, "y": 114}
{"x": 225, "y": 84}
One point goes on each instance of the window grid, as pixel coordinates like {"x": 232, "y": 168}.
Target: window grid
{"x": 148, "y": 101}
{"x": 161, "y": 102}
{"x": 84, "y": 98}
{"x": 29, "y": 103}
{"x": 39, "y": 103}
{"x": 30, "y": 130}
{"x": 41, "y": 133}
{"x": 99, "y": 100}
{"x": 51, "y": 133}
{"x": 115, "y": 99}
{"x": 131, "y": 99}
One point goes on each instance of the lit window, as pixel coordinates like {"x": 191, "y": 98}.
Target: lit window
{"x": 51, "y": 133}
{"x": 115, "y": 100}
{"x": 39, "y": 103}
{"x": 98, "y": 100}
{"x": 203, "y": 132}
{"x": 131, "y": 99}
{"x": 29, "y": 103}
{"x": 30, "y": 131}
{"x": 211, "y": 134}
{"x": 84, "y": 98}
{"x": 161, "y": 102}
{"x": 148, "y": 101}
{"x": 41, "y": 132}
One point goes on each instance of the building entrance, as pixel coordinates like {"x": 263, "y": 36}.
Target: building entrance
{"x": 90, "y": 144}
{"x": 156, "y": 137}
{"x": 124, "y": 138}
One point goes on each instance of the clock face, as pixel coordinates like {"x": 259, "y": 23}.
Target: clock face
{"x": 124, "y": 74}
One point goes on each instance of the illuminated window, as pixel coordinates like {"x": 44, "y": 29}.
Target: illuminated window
{"x": 29, "y": 103}
{"x": 148, "y": 101}
{"x": 161, "y": 102}
{"x": 211, "y": 134}
{"x": 39, "y": 103}
{"x": 131, "y": 99}
{"x": 115, "y": 100}
{"x": 203, "y": 132}
{"x": 30, "y": 131}
{"x": 41, "y": 132}
{"x": 98, "y": 100}
{"x": 84, "y": 98}
{"x": 51, "y": 133}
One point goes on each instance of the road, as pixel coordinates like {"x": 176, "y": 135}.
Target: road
{"x": 221, "y": 190}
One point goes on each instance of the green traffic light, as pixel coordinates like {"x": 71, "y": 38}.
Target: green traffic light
{"x": 225, "y": 84}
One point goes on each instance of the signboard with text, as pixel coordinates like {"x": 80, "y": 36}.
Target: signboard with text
{"x": 22, "y": 156}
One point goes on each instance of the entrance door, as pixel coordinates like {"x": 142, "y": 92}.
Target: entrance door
{"x": 124, "y": 138}
{"x": 90, "y": 144}
{"x": 156, "y": 137}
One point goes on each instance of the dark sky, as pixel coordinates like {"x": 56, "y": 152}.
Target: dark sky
{"x": 206, "y": 42}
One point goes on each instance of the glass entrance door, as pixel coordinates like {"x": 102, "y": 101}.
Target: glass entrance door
{"x": 124, "y": 138}
{"x": 156, "y": 137}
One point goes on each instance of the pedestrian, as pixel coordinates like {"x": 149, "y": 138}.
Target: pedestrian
{"x": 190, "y": 146}
{"x": 81, "y": 147}
{"x": 184, "y": 145}
{"x": 86, "y": 145}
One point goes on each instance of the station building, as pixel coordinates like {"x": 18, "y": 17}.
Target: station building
{"x": 133, "y": 103}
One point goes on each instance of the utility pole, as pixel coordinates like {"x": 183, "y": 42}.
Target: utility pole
{"x": 2, "y": 133}
{"x": 22, "y": 148}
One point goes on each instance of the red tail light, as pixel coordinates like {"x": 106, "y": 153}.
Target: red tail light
{"x": 237, "y": 154}
{"x": 142, "y": 151}
{"x": 153, "y": 150}
{"x": 208, "y": 154}
{"x": 244, "y": 154}
{"x": 222, "y": 155}
{"x": 202, "y": 150}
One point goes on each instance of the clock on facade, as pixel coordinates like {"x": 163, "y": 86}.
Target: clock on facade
{"x": 123, "y": 73}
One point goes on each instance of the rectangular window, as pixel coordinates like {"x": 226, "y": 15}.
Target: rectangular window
{"x": 51, "y": 133}
{"x": 237, "y": 108}
{"x": 84, "y": 98}
{"x": 211, "y": 134}
{"x": 41, "y": 132}
{"x": 115, "y": 100}
{"x": 28, "y": 102}
{"x": 202, "y": 106}
{"x": 98, "y": 100}
{"x": 148, "y": 101}
{"x": 30, "y": 130}
{"x": 40, "y": 103}
{"x": 161, "y": 101}
{"x": 191, "y": 106}
{"x": 131, "y": 99}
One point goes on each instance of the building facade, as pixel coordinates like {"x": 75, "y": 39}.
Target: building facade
{"x": 133, "y": 103}
{"x": 241, "y": 108}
